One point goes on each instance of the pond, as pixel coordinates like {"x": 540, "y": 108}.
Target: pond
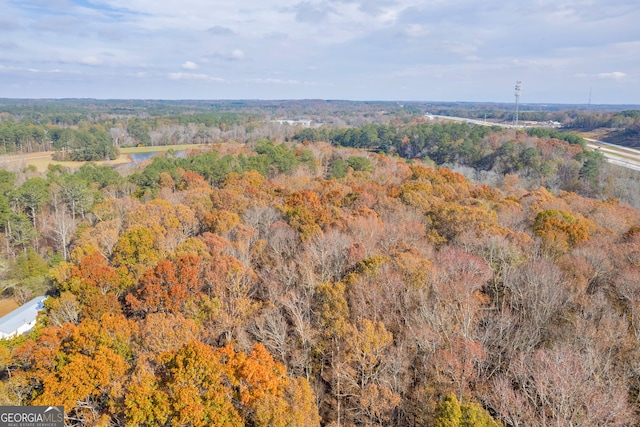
{"x": 137, "y": 158}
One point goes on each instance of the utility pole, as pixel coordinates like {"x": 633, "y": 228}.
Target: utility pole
{"x": 589, "y": 107}
{"x": 518, "y": 87}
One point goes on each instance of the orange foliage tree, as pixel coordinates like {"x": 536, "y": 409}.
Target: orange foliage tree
{"x": 94, "y": 283}
{"x": 167, "y": 287}
{"x": 560, "y": 230}
{"x": 306, "y": 213}
{"x": 82, "y": 368}
{"x": 200, "y": 386}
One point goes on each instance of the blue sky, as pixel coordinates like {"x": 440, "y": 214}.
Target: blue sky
{"x": 439, "y": 50}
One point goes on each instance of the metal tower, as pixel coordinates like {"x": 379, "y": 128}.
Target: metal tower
{"x": 518, "y": 87}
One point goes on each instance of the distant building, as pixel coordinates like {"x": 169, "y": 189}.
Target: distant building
{"x": 22, "y": 319}
{"x": 294, "y": 122}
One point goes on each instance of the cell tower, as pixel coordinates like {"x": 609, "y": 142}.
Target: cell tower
{"x": 518, "y": 87}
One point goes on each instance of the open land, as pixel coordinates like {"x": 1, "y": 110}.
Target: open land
{"x": 42, "y": 160}
{"x": 7, "y": 306}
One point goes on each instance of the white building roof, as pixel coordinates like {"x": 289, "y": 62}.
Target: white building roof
{"x": 21, "y": 316}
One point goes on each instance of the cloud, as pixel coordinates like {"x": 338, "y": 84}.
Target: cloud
{"x": 376, "y": 7}
{"x": 58, "y": 4}
{"x": 290, "y": 82}
{"x": 276, "y": 35}
{"x": 308, "y": 12}
{"x": 31, "y": 70}
{"x": 60, "y": 24}
{"x": 415, "y": 31}
{"x": 218, "y": 30}
{"x": 189, "y": 65}
{"x": 7, "y": 25}
{"x": 8, "y": 45}
{"x": 233, "y": 55}
{"x": 91, "y": 60}
{"x": 237, "y": 54}
{"x": 274, "y": 81}
{"x": 615, "y": 75}
{"x": 464, "y": 49}
{"x": 35, "y": 70}
{"x": 112, "y": 34}
{"x": 193, "y": 76}
{"x": 365, "y": 48}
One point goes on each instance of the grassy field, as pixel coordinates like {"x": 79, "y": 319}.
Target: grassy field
{"x": 42, "y": 160}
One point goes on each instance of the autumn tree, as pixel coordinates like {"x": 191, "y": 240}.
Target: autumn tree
{"x": 450, "y": 413}
{"x": 95, "y": 284}
{"x": 560, "y": 230}
{"x": 170, "y": 224}
{"x": 189, "y": 389}
{"x": 137, "y": 250}
{"x": 80, "y": 367}
{"x": 201, "y": 386}
{"x": 167, "y": 287}
{"x": 305, "y": 213}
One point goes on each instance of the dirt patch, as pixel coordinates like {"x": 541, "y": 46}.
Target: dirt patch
{"x": 7, "y": 306}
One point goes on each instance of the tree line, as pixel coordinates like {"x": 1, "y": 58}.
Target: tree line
{"x": 539, "y": 155}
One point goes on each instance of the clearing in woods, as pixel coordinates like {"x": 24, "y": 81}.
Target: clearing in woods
{"x": 43, "y": 159}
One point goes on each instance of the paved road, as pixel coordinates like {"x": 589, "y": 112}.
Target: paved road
{"x": 615, "y": 154}
{"x": 470, "y": 121}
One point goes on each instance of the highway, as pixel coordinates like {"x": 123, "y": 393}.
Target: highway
{"x": 615, "y": 154}
{"x": 470, "y": 121}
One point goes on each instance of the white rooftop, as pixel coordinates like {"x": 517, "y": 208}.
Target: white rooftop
{"x": 23, "y": 315}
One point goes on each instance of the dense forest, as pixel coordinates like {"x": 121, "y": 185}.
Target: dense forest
{"x": 388, "y": 273}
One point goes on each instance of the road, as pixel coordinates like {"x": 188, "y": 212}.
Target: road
{"x": 615, "y": 154}
{"x": 470, "y": 121}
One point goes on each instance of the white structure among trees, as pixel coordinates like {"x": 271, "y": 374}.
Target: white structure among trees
{"x": 22, "y": 319}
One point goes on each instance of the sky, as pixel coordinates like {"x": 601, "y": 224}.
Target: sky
{"x": 563, "y": 51}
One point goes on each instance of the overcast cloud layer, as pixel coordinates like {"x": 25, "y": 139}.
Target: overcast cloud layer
{"x": 441, "y": 50}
